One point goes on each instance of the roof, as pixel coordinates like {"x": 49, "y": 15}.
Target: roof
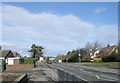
{"x": 107, "y": 50}
{"x": 3, "y": 53}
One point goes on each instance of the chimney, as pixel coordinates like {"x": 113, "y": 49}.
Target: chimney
{"x": 108, "y": 45}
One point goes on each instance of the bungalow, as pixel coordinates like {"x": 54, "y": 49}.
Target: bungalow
{"x": 5, "y": 54}
{"x": 9, "y": 57}
{"x": 106, "y": 52}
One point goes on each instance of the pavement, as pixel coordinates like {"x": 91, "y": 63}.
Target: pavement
{"x": 37, "y": 74}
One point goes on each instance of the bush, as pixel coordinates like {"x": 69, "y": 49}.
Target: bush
{"x": 97, "y": 60}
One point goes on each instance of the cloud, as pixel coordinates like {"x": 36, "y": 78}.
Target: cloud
{"x": 107, "y": 33}
{"x": 57, "y": 33}
{"x": 100, "y": 9}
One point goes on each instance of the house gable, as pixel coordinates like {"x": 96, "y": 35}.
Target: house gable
{"x": 107, "y": 51}
{"x": 6, "y": 53}
{"x": 9, "y": 55}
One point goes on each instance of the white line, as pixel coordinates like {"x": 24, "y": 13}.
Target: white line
{"x": 91, "y": 75}
{"x": 84, "y": 71}
{"x": 89, "y": 72}
{"x": 80, "y": 69}
{"x": 109, "y": 77}
{"x": 97, "y": 77}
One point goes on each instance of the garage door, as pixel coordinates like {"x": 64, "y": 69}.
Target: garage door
{"x": 10, "y": 61}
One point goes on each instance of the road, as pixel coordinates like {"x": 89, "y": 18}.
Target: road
{"x": 90, "y": 75}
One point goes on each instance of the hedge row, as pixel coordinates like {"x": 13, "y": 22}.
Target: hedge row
{"x": 27, "y": 61}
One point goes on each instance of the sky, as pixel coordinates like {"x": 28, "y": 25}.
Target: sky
{"x": 57, "y": 26}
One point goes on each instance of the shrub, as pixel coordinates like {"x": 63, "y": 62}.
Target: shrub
{"x": 97, "y": 60}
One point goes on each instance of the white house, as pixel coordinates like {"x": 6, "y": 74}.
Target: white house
{"x": 41, "y": 59}
{"x": 95, "y": 54}
{"x": 60, "y": 61}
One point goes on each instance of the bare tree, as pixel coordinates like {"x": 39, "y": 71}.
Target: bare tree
{"x": 97, "y": 45}
{"x": 90, "y": 46}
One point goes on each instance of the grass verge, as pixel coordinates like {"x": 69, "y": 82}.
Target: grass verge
{"x": 9, "y": 77}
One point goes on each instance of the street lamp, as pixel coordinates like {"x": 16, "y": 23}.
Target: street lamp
{"x": 79, "y": 57}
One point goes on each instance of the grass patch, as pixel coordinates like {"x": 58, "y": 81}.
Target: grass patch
{"x": 9, "y": 77}
{"x": 103, "y": 64}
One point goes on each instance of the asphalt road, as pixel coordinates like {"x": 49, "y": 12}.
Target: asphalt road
{"x": 90, "y": 75}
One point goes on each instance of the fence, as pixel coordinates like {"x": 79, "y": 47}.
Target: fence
{"x": 63, "y": 76}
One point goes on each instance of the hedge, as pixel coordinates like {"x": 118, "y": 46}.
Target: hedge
{"x": 97, "y": 60}
{"x": 27, "y": 61}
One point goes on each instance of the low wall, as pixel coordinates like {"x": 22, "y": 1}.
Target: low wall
{"x": 22, "y": 79}
{"x": 19, "y": 67}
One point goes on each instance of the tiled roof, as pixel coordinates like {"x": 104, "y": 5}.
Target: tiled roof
{"x": 3, "y": 53}
{"x": 107, "y": 50}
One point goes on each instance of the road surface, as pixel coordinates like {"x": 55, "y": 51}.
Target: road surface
{"x": 91, "y": 75}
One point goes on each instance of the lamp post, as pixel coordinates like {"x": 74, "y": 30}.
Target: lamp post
{"x": 79, "y": 57}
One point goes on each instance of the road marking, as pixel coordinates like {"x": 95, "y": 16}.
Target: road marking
{"x": 109, "y": 77}
{"x": 89, "y": 72}
{"x": 84, "y": 71}
{"x": 91, "y": 75}
{"x": 97, "y": 77}
{"x": 80, "y": 69}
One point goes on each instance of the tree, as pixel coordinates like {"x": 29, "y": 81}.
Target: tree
{"x": 88, "y": 46}
{"x": 93, "y": 46}
{"x": 73, "y": 56}
{"x": 60, "y": 57}
{"x": 97, "y": 45}
{"x": 36, "y": 50}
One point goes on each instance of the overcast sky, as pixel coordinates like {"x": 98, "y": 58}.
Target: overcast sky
{"x": 59, "y": 27}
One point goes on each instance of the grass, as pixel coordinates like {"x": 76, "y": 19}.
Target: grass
{"x": 9, "y": 77}
{"x": 103, "y": 64}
